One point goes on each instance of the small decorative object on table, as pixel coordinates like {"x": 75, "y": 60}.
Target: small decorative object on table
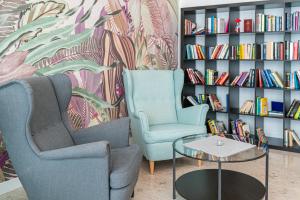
{"x": 237, "y": 25}
{"x": 248, "y": 26}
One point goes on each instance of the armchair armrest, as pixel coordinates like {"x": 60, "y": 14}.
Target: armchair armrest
{"x": 116, "y": 132}
{"x": 143, "y": 119}
{"x": 91, "y": 150}
{"x": 193, "y": 115}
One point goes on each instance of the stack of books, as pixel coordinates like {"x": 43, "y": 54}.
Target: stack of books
{"x": 292, "y": 80}
{"x": 211, "y": 76}
{"x": 262, "y": 106}
{"x": 294, "y": 110}
{"x": 191, "y": 28}
{"x": 240, "y": 128}
{"x": 195, "y": 76}
{"x": 220, "y": 51}
{"x": 217, "y": 25}
{"x": 292, "y": 50}
{"x": 271, "y": 51}
{"x": 276, "y": 109}
{"x": 292, "y": 21}
{"x": 247, "y": 108}
{"x": 245, "y": 79}
{"x": 196, "y": 51}
{"x": 212, "y": 100}
{"x": 222, "y": 80}
{"x": 266, "y": 23}
{"x": 290, "y": 137}
{"x": 243, "y": 52}
{"x": 216, "y": 127}
{"x": 269, "y": 79}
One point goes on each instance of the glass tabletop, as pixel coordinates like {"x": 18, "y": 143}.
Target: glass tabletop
{"x": 212, "y": 148}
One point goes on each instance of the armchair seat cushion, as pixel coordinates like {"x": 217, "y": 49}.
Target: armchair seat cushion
{"x": 170, "y": 132}
{"x": 125, "y": 166}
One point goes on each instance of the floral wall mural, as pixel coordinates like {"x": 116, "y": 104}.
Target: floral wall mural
{"x": 91, "y": 41}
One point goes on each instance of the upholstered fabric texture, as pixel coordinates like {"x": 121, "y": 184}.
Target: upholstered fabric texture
{"x": 54, "y": 162}
{"x": 157, "y": 118}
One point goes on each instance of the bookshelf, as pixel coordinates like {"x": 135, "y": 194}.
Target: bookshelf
{"x": 274, "y": 126}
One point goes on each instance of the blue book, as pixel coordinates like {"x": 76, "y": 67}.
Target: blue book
{"x": 296, "y": 81}
{"x": 272, "y": 78}
{"x": 212, "y": 24}
{"x": 268, "y": 78}
{"x": 266, "y": 84}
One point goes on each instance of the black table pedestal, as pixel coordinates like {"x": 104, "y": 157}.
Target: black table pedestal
{"x": 203, "y": 185}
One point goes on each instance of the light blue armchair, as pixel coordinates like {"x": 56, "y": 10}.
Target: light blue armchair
{"x": 157, "y": 118}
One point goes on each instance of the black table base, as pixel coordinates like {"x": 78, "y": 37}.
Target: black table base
{"x": 203, "y": 185}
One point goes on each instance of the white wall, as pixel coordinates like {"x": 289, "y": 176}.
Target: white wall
{"x": 191, "y": 3}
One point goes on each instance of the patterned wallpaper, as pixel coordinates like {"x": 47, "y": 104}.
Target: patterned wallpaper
{"x": 91, "y": 41}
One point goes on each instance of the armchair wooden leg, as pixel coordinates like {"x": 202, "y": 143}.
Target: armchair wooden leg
{"x": 151, "y": 167}
{"x": 132, "y": 195}
{"x": 199, "y": 163}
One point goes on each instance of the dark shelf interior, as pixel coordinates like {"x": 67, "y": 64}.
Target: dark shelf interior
{"x": 234, "y": 66}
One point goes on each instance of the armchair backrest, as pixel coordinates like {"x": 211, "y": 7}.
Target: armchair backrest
{"x": 31, "y": 116}
{"x": 155, "y": 92}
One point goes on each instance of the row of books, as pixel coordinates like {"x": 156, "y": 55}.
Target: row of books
{"x": 290, "y": 138}
{"x": 210, "y": 99}
{"x": 210, "y": 76}
{"x": 247, "y": 107}
{"x": 292, "y": 80}
{"x": 195, "y": 52}
{"x": 266, "y": 51}
{"x": 294, "y": 110}
{"x": 262, "y": 106}
{"x": 265, "y": 23}
{"x": 195, "y": 76}
{"x": 269, "y": 79}
{"x": 216, "y": 127}
{"x": 243, "y": 51}
{"x": 240, "y": 128}
{"x": 220, "y": 51}
{"x": 292, "y": 21}
{"x": 217, "y": 25}
{"x": 189, "y": 27}
{"x": 244, "y": 79}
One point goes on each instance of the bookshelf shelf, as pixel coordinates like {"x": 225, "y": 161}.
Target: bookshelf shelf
{"x": 242, "y": 33}
{"x": 235, "y": 66}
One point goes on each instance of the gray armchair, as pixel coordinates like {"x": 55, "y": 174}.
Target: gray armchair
{"x": 54, "y": 162}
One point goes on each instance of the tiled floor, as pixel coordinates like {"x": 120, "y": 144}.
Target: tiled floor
{"x": 284, "y": 177}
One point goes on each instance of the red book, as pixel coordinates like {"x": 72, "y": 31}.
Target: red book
{"x": 248, "y": 26}
{"x": 224, "y": 79}
{"x": 260, "y": 79}
{"x": 295, "y": 57}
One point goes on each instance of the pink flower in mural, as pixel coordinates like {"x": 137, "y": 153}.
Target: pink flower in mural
{"x": 12, "y": 67}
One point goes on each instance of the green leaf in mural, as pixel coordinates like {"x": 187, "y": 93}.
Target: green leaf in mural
{"x": 72, "y": 11}
{"x": 88, "y": 13}
{"x": 47, "y": 37}
{"x": 50, "y": 49}
{"x": 91, "y": 98}
{"x": 28, "y": 28}
{"x": 104, "y": 18}
{"x": 73, "y": 65}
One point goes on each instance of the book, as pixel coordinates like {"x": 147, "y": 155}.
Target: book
{"x": 192, "y": 100}
{"x": 295, "y": 137}
{"x": 217, "y": 25}
{"x": 247, "y": 107}
{"x": 267, "y": 23}
{"x": 264, "y": 107}
{"x": 248, "y": 25}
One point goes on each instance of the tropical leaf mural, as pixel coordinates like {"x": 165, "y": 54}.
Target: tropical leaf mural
{"x": 91, "y": 41}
